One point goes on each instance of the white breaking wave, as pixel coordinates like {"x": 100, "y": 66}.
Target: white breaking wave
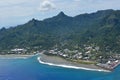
{"x": 68, "y": 66}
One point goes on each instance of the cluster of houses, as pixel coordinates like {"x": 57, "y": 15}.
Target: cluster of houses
{"x": 74, "y": 54}
{"x": 86, "y": 53}
{"x": 56, "y": 52}
{"x": 14, "y": 51}
{"x": 19, "y": 51}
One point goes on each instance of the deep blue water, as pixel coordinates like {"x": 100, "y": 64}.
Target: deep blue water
{"x": 31, "y": 69}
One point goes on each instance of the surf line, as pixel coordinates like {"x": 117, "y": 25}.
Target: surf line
{"x": 68, "y": 66}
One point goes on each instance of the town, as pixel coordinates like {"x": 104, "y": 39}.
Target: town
{"x": 87, "y": 54}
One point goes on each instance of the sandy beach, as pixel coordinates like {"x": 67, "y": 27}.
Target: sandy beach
{"x": 57, "y": 61}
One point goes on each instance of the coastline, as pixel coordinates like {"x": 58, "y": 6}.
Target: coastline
{"x": 60, "y": 62}
{"x": 15, "y": 56}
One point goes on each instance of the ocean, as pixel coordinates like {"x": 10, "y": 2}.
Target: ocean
{"x": 31, "y": 69}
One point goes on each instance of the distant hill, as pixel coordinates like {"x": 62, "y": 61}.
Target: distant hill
{"x": 101, "y": 28}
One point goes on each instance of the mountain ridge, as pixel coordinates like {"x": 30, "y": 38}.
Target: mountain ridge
{"x": 65, "y": 31}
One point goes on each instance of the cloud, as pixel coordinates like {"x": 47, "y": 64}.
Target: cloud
{"x": 46, "y": 5}
{"x": 14, "y": 12}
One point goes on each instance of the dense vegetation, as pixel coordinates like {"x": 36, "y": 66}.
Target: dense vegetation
{"x": 101, "y": 29}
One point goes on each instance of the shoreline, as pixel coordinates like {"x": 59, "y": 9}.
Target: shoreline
{"x": 15, "y": 56}
{"x": 59, "y": 62}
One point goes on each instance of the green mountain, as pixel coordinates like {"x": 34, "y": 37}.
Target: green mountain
{"x": 101, "y": 28}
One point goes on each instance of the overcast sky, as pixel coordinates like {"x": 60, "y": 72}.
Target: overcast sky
{"x": 15, "y": 12}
